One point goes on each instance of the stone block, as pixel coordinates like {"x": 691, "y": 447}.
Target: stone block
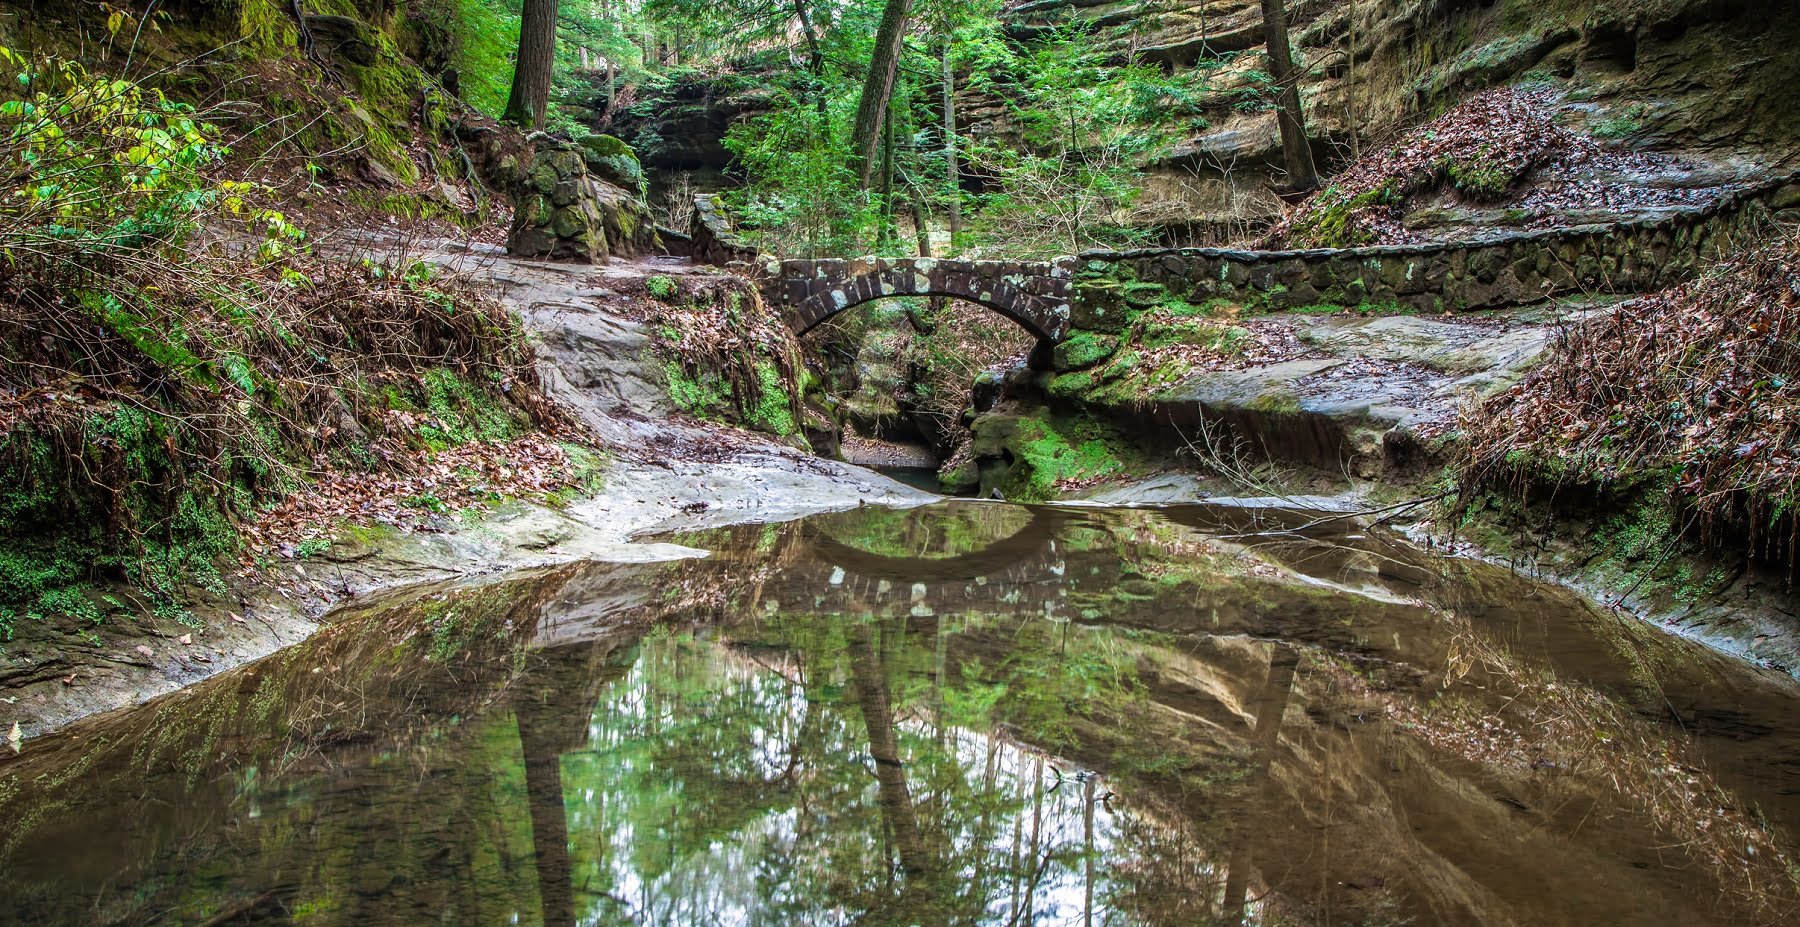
{"x": 543, "y": 177}
{"x": 1486, "y": 263}
{"x": 568, "y": 222}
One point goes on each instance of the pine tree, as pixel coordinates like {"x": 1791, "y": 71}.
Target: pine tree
{"x": 878, "y": 89}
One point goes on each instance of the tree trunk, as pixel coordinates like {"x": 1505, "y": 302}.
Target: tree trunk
{"x": 884, "y": 748}
{"x": 921, "y": 228}
{"x": 1295, "y": 149}
{"x": 815, "y": 59}
{"x": 612, "y": 91}
{"x": 1271, "y": 704}
{"x": 886, "y": 234}
{"x": 878, "y": 88}
{"x": 528, "y": 104}
{"x": 1351, "y": 114}
{"x": 953, "y": 209}
{"x": 549, "y": 819}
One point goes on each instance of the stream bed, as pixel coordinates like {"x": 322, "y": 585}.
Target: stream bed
{"x": 964, "y": 713}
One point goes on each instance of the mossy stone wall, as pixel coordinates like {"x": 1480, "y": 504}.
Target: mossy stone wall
{"x": 1505, "y": 270}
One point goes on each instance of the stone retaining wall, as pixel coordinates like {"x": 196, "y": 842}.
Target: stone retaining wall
{"x": 712, "y": 239}
{"x": 1509, "y": 270}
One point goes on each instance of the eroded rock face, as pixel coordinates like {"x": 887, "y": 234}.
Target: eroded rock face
{"x": 572, "y": 206}
{"x": 681, "y": 127}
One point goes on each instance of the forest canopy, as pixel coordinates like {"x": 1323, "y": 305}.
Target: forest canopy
{"x": 854, "y": 143}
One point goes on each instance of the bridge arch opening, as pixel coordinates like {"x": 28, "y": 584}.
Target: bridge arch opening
{"x": 903, "y": 380}
{"x": 832, "y": 303}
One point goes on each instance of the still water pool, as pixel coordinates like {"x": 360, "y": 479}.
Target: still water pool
{"x": 968, "y": 713}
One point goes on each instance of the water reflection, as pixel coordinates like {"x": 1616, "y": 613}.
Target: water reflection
{"x": 755, "y": 792}
{"x": 965, "y": 714}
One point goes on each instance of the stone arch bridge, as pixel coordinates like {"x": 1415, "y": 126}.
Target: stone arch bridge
{"x": 1034, "y": 294}
{"x": 1101, "y": 291}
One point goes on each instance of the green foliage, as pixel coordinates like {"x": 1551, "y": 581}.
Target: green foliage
{"x": 1089, "y": 125}
{"x": 726, "y": 358}
{"x": 800, "y": 197}
{"x": 661, "y": 287}
{"x": 311, "y": 547}
{"x": 96, "y": 164}
{"x": 486, "y": 36}
{"x": 61, "y": 540}
{"x": 200, "y": 387}
{"x": 461, "y": 412}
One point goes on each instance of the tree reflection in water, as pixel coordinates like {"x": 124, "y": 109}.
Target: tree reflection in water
{"x": 736, "y": 782}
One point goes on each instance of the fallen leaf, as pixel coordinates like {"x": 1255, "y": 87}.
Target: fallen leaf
{"x": 146, "y": 651}
{"x": 187, "y": 639}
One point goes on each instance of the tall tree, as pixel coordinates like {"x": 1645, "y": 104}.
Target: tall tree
{"x": 1295, "y": 149}
{"x": 953, "y": 186}
{"x": 528, "y": 104}
{"x": 878, "y": 89}
{"x": 815, "y": 59}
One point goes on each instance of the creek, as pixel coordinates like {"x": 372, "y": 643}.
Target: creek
{"x": 966, "y": 712}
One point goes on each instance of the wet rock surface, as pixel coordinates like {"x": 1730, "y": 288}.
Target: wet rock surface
{"x": 1366, "y": 396}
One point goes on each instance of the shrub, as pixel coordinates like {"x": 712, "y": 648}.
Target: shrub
{"x": 154, "y": 394}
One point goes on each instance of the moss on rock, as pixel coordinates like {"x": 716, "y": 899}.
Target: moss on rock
{"x": 1083, "y": 349}
{"x": 1030, "y": 458}
{"x": 613, "y": 161}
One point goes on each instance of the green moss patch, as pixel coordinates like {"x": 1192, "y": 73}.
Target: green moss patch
{"x": 1083, "y": 349}
{"x": 1051, "y": 451}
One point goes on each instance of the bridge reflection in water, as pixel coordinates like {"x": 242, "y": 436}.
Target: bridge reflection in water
{"x": 965, "y": 713}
